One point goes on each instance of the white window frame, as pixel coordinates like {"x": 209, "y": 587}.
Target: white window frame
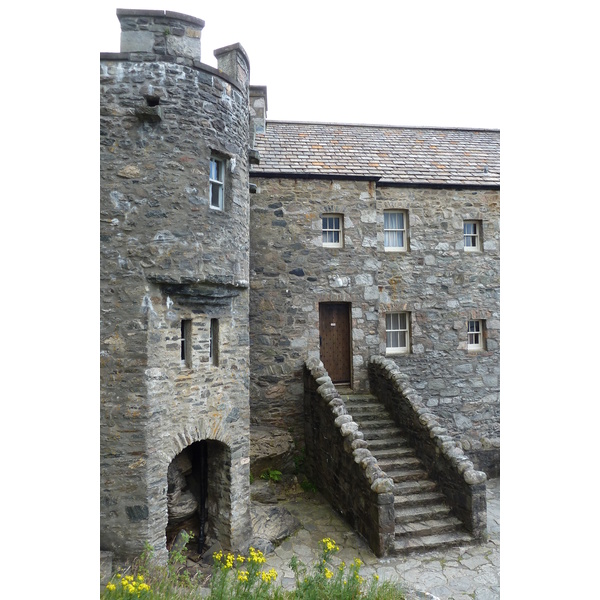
{"x": 397, "y": 334}
{"x": 475, "y": 334}
{"x": 332, "y": 224}
{"x": 216, "y": 180}
{"x": 474, "y": 237}
{"x": 403, "y": 231}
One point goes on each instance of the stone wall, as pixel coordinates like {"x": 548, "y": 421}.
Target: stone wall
{"x": 341, "y": 466}
{"x": 440, "y": 284}
{"x": 444, "y": 459}
{"x": 167, "y": 256}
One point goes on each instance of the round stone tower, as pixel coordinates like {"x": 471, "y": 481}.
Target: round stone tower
{"x": 174, "y": 288}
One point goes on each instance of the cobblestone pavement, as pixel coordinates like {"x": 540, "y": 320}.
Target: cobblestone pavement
{"x": 462, "y": 573}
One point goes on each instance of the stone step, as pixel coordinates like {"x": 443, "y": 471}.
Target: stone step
{"x": 385, "y": 443}
{"x": 374, "y": 423}
{"x": 358, "y": 398}
{"x": 368, "y": 414}
{"x": 405, "y": 545}
{"x": 423, "y": 520}
{"x": 410, "y": 514}
{"x": 391, "y": 432}
{"x": 387, "y": 457}
{"x": 409, "y": 487}
{"x": 386, "y": 454}
{"x": 428, "y": 527}
{"x": 400, "y": 463}
{"x": 400, "y": 475}
{"x": 419, "y": 499}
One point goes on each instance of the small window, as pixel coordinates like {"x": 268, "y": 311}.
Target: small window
{"x": 186, "y": 343}
{"x": 472, "y": 236}
{"x": 475, "y": 335}
{"x": 214, "y": 342}
{"x": 397, "y": 333}
{"x": 394, "y": 230}
{"x": 217, "y": 183}
{"x": 332, "y": 231}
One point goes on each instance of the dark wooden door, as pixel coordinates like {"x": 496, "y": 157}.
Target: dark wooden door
{"x": 334, "y": 331}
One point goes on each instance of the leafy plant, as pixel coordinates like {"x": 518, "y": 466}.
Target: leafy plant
{"x": 247, "y": 578}
{"x": 242, "y": 577}
{"x": 326, "y": 582}
{"x": 308, "y": 486}
{"x": 299, "y": 460}
{"x": 271, "y": 475}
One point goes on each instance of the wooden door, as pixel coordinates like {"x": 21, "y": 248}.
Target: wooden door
{"x": 334, "y": 332}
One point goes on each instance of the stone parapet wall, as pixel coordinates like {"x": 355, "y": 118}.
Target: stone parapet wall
{"x": 443, "y": 458}
{"x": 341, "y": 466}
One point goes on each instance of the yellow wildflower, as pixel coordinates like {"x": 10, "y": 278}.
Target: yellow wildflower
{"x": 328, "y": 573}
{"x": 243, "y": 576}
{"x": 256, "y": 556}
{"x": 111, "y": 587}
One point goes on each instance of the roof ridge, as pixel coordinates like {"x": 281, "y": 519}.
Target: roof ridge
{"x": 381, "y": 126}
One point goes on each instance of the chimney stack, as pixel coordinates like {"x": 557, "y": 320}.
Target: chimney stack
{"x": 234, "y": 61}
{"x": 258, "y": 111}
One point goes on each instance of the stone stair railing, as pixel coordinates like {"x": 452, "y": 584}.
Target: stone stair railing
{"x": 444, "y": 459}
{"x": 340, "y": 465}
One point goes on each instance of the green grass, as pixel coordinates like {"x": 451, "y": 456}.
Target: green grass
{"x": 248, "y": 578}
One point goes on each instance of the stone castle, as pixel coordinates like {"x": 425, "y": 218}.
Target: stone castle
{"x": 237, "y": 253}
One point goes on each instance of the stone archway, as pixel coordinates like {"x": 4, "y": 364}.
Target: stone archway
{"x": 198, "y": 494}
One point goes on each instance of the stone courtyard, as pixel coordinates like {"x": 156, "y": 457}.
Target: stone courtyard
{"x": 461, "y": 573}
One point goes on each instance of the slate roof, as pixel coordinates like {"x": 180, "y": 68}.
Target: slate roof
{"x": 401, "y": 155}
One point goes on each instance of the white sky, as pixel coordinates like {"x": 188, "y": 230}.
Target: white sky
{"x": 529, "y": 68}
{"x": 397, "y": 63}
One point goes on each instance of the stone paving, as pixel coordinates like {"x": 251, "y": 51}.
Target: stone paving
{"x": 462, "y": 573}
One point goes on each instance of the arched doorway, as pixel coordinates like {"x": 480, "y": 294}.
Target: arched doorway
{"x": 198, "y": 494}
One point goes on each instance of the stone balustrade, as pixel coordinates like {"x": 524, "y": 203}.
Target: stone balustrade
{"x": 442, "y": 456}
{"x": 341, "y": 466}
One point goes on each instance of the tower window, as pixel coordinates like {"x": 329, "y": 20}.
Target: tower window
{"x": 214, "y": 342}
{"x": 186, "y": 343}
{"x": 217, "y": 183}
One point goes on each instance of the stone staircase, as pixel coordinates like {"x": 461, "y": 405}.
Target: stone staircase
{"x": 423, "y": 519}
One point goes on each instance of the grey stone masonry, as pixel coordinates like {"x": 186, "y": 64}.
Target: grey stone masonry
{"x": 160, "y": 32}
{"x": 341, "y": 466}
{"x": 174, "y": 283}
{"x": 463, "y": 485}
{"x": 434, "y": 280}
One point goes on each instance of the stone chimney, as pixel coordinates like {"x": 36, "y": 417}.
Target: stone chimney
{"x": 234, "y": 61}
{"x": 258, "y": 111}
{"x": 160, "y": 32}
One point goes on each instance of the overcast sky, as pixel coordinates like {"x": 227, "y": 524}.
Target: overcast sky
{"x": 397, "y": 63}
